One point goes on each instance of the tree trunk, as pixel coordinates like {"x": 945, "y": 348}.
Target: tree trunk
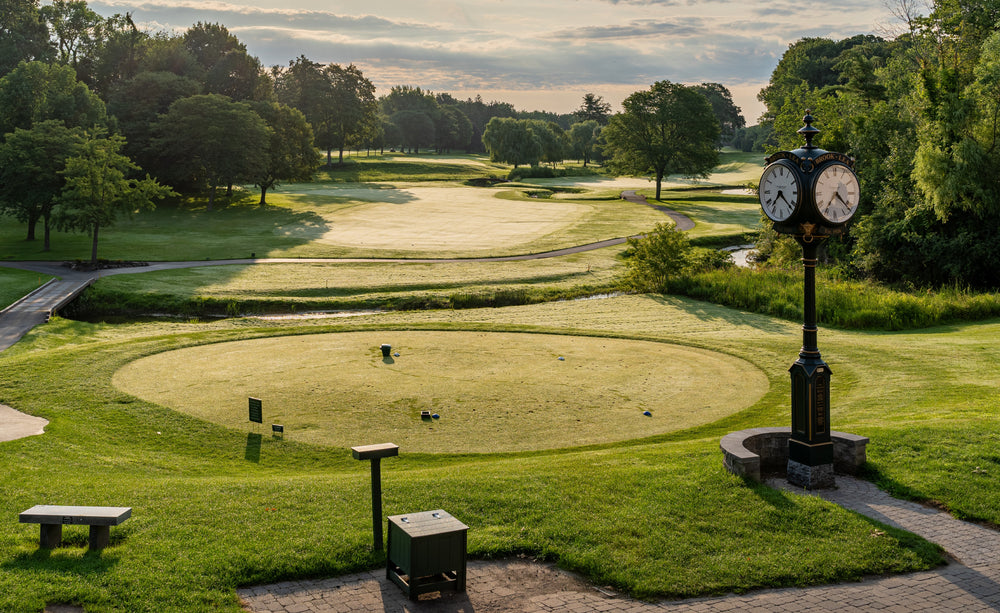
{"x": 329, "y": 158}
{"x": 211, "y": 193}
{"x": 341, "y": 160}
{"x": 47, "y": 231}
{"x": 32, "y": 221}
{"x": 659, "y": 181}
{"x": 263, "y": 195}
{"x": 93, "y": 247}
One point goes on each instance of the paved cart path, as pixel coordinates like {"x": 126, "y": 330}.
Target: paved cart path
{"x": 971, "y": 584}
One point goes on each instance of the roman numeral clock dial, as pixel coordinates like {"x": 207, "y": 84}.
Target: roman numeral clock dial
{"x": 836, "y": 193}
{"x": 780, "y": 191}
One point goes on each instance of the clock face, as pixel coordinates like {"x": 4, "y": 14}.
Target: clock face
{"x": 779, "y": 191}
{"x": 836, "y": 193}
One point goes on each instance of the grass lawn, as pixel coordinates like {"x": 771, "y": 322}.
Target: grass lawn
{"x": 337, "y": 389}
{"x": 283, "y": 287}
{"x": 409, "y": 167}
{"x": 390, "y": 206}
{"x": 437, "y": 220}
{"x": 719, "y": 218}
{"x": 148, "y": 415}
{"x": 217, "y": 507}
{"x": 15, "y": 284}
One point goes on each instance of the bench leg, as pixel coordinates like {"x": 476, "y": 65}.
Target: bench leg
{"x": 51, "y": 536}
{"x": 100, "y": 536}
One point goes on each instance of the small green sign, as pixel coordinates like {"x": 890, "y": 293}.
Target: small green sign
{"x": 256, "y": 411}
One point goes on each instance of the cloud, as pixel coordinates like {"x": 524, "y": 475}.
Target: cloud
{"x": 512, "y": 45}
{"x": 635, "y": 29}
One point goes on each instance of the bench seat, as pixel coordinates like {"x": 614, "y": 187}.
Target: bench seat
{"x": 53, "y": 517}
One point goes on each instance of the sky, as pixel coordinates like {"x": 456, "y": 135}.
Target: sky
{"x": 537, "y": 55}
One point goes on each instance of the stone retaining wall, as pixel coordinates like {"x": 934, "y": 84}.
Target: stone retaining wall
{"x": 749, "y": 453}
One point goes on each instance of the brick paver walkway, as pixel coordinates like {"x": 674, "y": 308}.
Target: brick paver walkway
{"x": 971, "y": 584}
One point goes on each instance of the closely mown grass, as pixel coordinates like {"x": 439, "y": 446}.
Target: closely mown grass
{"x": 217, "y": 508}
{"x": 454, "y": 375}
{"x": 15, "y": 284}
{"x": 409, "y": 167}
{"x": 296, "y": 288}
{"x": 841, "y": 303}
{"x": 426, "y": 220}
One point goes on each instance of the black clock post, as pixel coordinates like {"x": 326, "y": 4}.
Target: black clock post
{"x": 810, "y": 194}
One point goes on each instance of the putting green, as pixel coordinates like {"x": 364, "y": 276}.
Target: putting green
{"x": 430, "y": 218}
{"x": 493, "y": 391}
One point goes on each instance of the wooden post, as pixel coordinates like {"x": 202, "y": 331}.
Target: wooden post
{"x": 375, "y": 453}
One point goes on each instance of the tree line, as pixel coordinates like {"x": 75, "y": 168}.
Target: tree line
{"x": 196, "y": 111}
{"x": 921, "y": 113}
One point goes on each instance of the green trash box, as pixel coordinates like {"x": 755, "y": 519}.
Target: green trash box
{"x": 425, "y": 552}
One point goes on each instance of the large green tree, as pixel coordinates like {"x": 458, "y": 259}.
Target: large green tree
{"x": 209, "y": 140}
{"x": 415, "y": 129}
{"x": 729, "y": 116}
{"x": 583, "y": 137}
{"x": 76, "y": 29}
{"x": 137, "y": 103}
{"x": 667, "y": 129}
{"x": 226, "y": 67}
{"x": 338, "y": 102}
{"x": 99, "y": 189}
{"x": 512, "y": 141}
{"x": 352, "y": 107}
{"x": 291, "y": 155}
{"x": 416, "y": 114}
{"x": 24, "y": 35}
{"x": 453, "y": 130}
{"x": 31, "y": 163}
{"x": 920, "y": 114}
{"x": 36, "y": 91}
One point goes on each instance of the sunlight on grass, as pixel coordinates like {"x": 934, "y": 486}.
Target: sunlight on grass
{"x": 15, "y": 284}
{"x": 495, "y": 392}
{"x": 208, "y": 490}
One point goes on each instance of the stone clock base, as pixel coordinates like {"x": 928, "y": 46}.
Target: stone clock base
{"x": 810, "y": 477}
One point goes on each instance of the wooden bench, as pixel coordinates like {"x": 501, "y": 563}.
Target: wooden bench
{"x": 53, "y": 517}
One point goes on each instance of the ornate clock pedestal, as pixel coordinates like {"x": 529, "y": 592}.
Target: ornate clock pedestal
{"x": 810, "y": 194}
{"x": 810, "y": 449}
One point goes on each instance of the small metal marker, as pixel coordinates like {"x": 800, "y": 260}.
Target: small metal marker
{"x": 375, "y": 453}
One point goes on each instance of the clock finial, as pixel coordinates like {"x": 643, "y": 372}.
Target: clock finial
{"x": 808, "y": 131}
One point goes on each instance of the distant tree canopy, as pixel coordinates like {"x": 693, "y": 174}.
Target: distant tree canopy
{"x": 667, "y": 129}
{"x": 593, "y": 108}
{"x": 729, "y": 116}
{"x": 338, "y": 102}
{"x": 512, "y": 141}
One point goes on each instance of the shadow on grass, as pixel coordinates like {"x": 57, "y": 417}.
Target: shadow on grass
{"x": 93, "y": 562}
{"x": 252, "y": 453}
{"x": 709, "y": 312}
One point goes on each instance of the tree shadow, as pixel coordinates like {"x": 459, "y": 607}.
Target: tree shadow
{"x": 712, "y": 313}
